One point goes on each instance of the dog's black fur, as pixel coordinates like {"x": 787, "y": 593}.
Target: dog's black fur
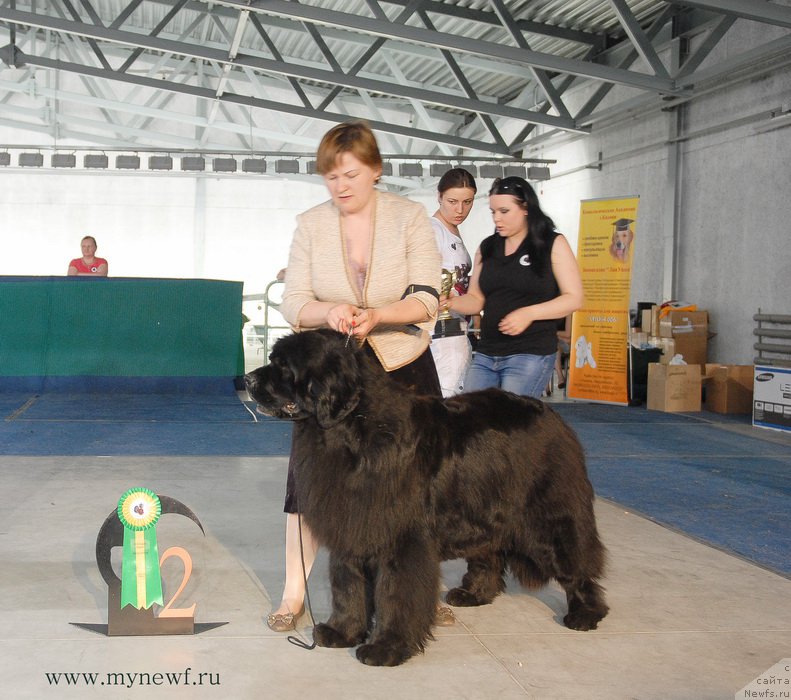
{"x": 393, "y": 483}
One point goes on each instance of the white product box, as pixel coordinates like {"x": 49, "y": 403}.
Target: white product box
{"x": 772, "y": 398}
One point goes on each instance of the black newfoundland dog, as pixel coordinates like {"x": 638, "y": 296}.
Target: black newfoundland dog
{"x": 393, "y": 483}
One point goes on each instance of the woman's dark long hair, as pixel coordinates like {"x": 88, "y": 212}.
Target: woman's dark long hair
{"x": 539, "y": 225}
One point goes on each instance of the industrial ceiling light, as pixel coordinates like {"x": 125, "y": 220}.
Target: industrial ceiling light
{"x": 387, "y": 169}
{"x": 514, "y": 171}
{"x": 225, "y": 165}
{"x": 5, "y": 158}
{"x": 31, "y": 160}
{"x": 438, "y": 169}
{"x": 491, "y": 170}
{"x": 310, "y": 167}
{"x": 254, "y": 165}
{"x": 287, "y": 167}
{"x": 538, "y": 173}
{"x": 127, "y": 162}
{"x": 471, "y": 168}
{"x": 95, "y": 160}
{"x": 410, "y": 170}
{"x": 194, "y": 163}
{"x": 160, "y": 163}
{"x": 63, "y": 160}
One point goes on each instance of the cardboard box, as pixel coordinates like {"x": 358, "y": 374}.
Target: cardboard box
{"x": 729, "y": 388}
{"x": 654, "y": 320}
{"x": 694, "y": 349}
{"x": 645, "y": 321}
{"x": 684, "y": 323}
{"x": 772, "y": 398}
{"x": 673, "y": 388}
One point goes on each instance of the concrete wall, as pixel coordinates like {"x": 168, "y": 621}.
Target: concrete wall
{"x": 734, "y": 202}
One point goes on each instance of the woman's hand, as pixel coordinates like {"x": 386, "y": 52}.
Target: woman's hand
{"x": 516, "y": 322}
{"x": 365, "y": 321}
{"x": 342, "y": 317}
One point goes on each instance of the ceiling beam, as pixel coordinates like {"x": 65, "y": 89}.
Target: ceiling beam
{"x": 540, "y": 76}
{"x": 640, "y": 41}
{"x": 453, "y": 42}
{"x": 756, "y": 10}
{"x": 208, "y": 93}
{"x": 385, "y": 87}
{"x": 483, "y": 17}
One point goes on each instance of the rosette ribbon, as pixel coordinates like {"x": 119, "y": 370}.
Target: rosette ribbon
{"x": 141, "y": 581}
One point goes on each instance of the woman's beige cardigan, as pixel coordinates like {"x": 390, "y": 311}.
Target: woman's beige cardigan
{"x": 403, "y": 252}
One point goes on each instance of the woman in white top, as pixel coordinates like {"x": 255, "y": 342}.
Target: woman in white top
{"x": 449, "y": 344}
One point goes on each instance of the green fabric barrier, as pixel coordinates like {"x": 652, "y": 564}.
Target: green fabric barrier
{"x": 120, "y": 327}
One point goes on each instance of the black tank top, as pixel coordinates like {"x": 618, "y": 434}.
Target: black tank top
{"x": 509, "y": 282}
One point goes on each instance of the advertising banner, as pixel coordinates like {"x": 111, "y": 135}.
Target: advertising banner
{"x": 599, "y": 331}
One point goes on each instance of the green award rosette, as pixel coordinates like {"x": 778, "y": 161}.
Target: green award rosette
{"x": 141, "y": 582}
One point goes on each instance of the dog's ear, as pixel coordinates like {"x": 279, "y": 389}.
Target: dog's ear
{"x": 334, "y": 392}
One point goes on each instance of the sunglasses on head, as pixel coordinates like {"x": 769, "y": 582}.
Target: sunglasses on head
{"x": 508, "y": 185}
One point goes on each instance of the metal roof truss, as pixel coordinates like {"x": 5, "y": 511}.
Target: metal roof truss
{"x": 434, "y": 77}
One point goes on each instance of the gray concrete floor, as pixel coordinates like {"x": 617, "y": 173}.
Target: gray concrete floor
{"x": 686, "y": 620}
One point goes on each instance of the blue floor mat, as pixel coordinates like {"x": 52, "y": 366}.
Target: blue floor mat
{"x": 137, "y": 424}
{"x": 694, "y": 438}
{"x": 134, "y": 407}
{"x": 739, "y": 507}
{"x": 47, "y": 438}
{"x": 12, "y": 402}
{"x": 690, "y": 473}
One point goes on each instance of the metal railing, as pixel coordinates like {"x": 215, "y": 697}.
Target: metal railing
{"x": 264, "y": 333}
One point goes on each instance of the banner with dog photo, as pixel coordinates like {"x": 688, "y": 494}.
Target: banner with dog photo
{"x": 599, "y": 331}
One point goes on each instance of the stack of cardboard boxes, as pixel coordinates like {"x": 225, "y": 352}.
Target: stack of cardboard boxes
{"x": 676, "y": 388}
{"x": 685, "y": 333}
{"x": 679, "y": 388}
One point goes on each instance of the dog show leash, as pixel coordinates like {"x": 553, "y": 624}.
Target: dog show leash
{"x": 349, "y": 334}
{"x": 296, "y": 641}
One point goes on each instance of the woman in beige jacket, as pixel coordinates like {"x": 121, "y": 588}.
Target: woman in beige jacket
{"x": 364, "y": 263}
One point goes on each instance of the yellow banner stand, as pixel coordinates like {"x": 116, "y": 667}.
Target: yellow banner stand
{"x": 599, "y": 331}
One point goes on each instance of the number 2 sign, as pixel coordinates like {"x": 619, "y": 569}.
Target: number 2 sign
{"x": 131, "y": 598}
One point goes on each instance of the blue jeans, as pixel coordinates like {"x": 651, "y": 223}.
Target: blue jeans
{"x": 527, "y": 375}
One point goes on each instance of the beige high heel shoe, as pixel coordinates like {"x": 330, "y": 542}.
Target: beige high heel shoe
{"x": 444, "y": 616}
{"x": 284, "y": 622}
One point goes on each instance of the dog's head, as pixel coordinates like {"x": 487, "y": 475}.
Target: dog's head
{"x": 311, "y": 374}
{"x": 621, "y": 239}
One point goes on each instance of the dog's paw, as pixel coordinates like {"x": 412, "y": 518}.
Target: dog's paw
{"x": 461, "y": 598}
{"x": 326, "y": 636}
{"x": 382, "y": 655}
{"x": 583, "y": 619}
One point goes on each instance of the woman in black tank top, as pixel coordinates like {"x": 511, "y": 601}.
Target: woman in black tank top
{"x": 525, "y": 277}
